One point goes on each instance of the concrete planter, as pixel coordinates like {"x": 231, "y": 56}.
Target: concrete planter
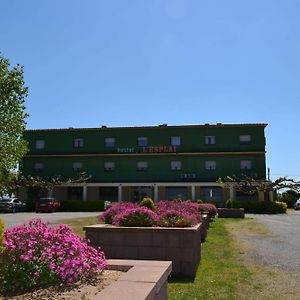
{"x": 231, "y": 213}
{"x": 204, "y": 227}
{"x": 182, "y": 246}
{"x": 142, "y": 280}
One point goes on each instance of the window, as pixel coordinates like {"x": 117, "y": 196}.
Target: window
{"x": 245, "y": 139}
{"x": 175, "y": 141}
{"x": 210, "y": 165}
{"x": 246, "y": 165}
{"x": 77, "y": 166}
{"x": 110, "y": 142}
{"x": 175, "y": 165}
{"x": 39, "y": 144}
{"x": 142, "y": 141}
{"x": 78, "y": 143}
{"x": 109, "y": 166}
{"x": 38, "y": 167}
{"x": 142, "y": 166}
{"x": 210, "y": 140}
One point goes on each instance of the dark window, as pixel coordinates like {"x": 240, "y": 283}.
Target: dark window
{"x": 142, "y": 141}
{"x": 78, "y": 143}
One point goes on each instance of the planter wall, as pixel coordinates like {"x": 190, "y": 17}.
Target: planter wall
{"x": 204, "y": 226}
{"x": 182, "y": 246}
{"x": 142, "y": 280}
{"x": 231, "y": 213}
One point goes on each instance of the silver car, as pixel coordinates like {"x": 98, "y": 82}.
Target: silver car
{"x": 297, "y": 204}
{"x": 11, "y": 205}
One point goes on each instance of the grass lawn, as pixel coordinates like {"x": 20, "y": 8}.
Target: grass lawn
{"x": 77, "y": 224}
{"x": 219, "y": 274}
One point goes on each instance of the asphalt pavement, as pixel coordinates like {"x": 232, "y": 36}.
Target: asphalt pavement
{"x": 19, "y": 218}
{"x": 281, "y": 249}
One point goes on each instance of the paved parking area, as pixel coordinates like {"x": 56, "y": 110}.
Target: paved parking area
{"x": 281, "y": 249}
{"x": 19, "y": 218}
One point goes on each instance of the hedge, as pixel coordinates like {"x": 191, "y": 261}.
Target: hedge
{"x": 80, "y": 205}
{"x": 261, "y": 207}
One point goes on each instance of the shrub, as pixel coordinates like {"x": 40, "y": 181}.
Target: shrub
{"x": 261, "y": 207}
{"x": 109, "y": 214}
{"x": 175, "y": 218}
{"x": 80, "y": 205}
{"x": 211, "y": 208}
{"x": 148, "y": 202}
{"x": 38, "y": 255}
{"x": 135, "y": 217}
{"x": 170, "y": 211}
{"x": 2, "y": 226}
{"x": 289, "y": 197}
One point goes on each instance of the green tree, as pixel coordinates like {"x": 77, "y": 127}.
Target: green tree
{"x": 12, "y": 117}
{"x": 289, "y": 197}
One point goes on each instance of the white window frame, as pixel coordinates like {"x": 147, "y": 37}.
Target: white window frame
{"x": 38, "y": 167}
{"x": 246, "y": 165}
{"x": 142, "y": 166}
{"x": 245, "y": 139}
{"x": 210, "y": 165}
{"x": 39, "y": 144}
{"x": 176, "y": 165}
{"x": 109, "y": 166}
{"x": 210, "y": 140}
{"x": 77, "y": 166}
{"x": 78, "y": 143}
{"x": 175, "y": 140}
{"x": 110, "y": 142}
{"x": 142, "y": 141}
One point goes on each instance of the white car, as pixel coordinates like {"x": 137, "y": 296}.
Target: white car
{"x": 297, "y": 204}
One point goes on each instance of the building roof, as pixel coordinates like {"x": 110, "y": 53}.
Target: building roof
{"x": 104, "y": 127}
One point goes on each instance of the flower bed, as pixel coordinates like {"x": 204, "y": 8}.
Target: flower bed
{"x": 37, "y": 255}
{"x": 168, "y": 230}
{"x": 162, "y": 214}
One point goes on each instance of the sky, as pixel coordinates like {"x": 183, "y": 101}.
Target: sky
{"x": 140, "y": 62}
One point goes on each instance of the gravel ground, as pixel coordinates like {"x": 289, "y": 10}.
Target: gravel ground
{"x": 19, "y": 218}
{"x": 281, "y": 248}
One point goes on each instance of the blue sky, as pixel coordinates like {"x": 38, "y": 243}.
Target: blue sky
{"x": 140, "y": 62}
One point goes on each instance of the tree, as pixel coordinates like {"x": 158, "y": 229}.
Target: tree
{"x": 249, "y": 186}
{"x": 289, "y": 197}
{"x": 12, "y": 117}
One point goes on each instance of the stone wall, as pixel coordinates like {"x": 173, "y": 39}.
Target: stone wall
{"x": 182, "y": 246}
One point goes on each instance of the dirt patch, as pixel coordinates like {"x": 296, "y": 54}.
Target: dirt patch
{"x": 268, "y": 282}
{"x": 82, "y": 290}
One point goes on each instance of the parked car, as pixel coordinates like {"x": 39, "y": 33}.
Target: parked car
{"x": 11, "y": 205}
{"x": 297, "y": 205}
{"x": 47, "y": 205}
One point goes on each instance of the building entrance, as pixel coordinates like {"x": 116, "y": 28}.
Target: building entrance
{"x": 138, "y": 193}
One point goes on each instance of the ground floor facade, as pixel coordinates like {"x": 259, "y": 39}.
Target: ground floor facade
{"x": 135, "y": 192}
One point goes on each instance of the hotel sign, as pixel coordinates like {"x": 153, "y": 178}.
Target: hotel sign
{"x": 160, "y": 149}
{"x": 152, "y": 149}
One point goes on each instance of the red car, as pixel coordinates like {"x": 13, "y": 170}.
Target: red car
{"x": 47, "y": 205}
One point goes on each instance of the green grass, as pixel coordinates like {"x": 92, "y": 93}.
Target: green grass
{"x": 77, "y": 224}
{"x": 219, "y": 276}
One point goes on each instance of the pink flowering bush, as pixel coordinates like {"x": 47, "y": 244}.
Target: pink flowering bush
{"x": 211, "y": 208}
{"x": 175, "y": 218}
{"x": 132, "y": 217}
{"x": 38, "y": 255}
{"x": 162, "y": 213}
{"x": 108, "y": 215}
{"x": 188, "y": 209}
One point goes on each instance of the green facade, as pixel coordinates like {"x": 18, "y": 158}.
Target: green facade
{"x": 59, "y": 153}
